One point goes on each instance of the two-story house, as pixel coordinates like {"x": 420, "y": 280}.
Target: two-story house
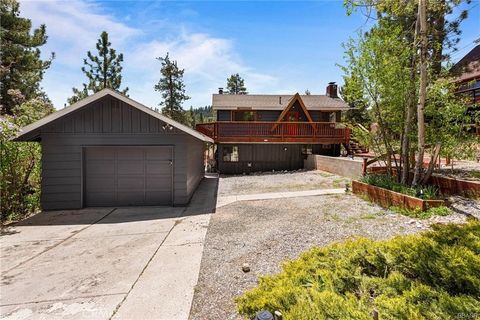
{"x": 467, "y": 73}
{"x": 274, "y": 132}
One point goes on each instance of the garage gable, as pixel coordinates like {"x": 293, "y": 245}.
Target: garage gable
{"x": 106, "y": 111}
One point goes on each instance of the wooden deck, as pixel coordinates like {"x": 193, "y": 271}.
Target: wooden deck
{"x": 275, "y": 132}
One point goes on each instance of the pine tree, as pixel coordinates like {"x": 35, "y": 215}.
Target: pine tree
{"x": 236, "y": 85}
{"x": 102, "y": 71}
{"x": 21, "y": 68}
{"x": 193, "y": 117}
{"x": 172, "y": 89}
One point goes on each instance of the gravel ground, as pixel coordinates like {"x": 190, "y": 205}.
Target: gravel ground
{"x": 465, "y": 206}
{"x": 279, "y": 181}
{"x": 468, "y": 170}
{"x": 264, "y": 233}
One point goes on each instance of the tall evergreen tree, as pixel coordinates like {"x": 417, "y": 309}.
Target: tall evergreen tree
{"x": 21, "y": 68}
{"x": 172, "y": 89}
{"x": 193, "y": 118}
{"x": 236, "y": 85}
{"x": 103, "y": 70}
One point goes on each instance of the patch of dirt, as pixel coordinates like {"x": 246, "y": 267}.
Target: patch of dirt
{"x": 265, "y": 233}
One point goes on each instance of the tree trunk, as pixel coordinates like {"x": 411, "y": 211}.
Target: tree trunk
{"x": 409, "y": 112}
{"x": 433, "y": 161}
{"x": 422, "y": 16}
{"x": 170, "y": 88}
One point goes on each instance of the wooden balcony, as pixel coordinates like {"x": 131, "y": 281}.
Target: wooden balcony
{"x": 275, "y": 132}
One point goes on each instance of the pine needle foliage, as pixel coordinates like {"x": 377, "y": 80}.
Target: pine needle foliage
{"x": 103, "y": 70}
{"x": 21, "y": 64}
{"x": 236, "y": 85}
{"x": 434, "y": 275}
{"x": 172, "y": 88}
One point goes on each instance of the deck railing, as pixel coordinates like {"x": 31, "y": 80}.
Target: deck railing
{"x": 293, "y": 132}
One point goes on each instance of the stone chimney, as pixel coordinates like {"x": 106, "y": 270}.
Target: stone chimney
{"x": 220, "y": 90}
{"x": 332, "y": 90}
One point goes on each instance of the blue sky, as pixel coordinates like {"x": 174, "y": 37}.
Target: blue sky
{"x": 277, "y": 46}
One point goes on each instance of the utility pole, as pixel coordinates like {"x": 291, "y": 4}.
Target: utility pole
{"x": 422, "y": 16}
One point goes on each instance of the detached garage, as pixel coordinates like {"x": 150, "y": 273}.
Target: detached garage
{"x": 109, "y": 150}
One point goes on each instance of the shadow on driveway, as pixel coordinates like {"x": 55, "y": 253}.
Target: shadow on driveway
{"x": 203, "y": 201}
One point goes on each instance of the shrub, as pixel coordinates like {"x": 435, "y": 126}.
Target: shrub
{"x": 20, "y": 162}
{"x": 20, "y": 174}
{"x": 418, "y": 213}
{"x": 434, "y": 275}
{"x": 388, "y": 182}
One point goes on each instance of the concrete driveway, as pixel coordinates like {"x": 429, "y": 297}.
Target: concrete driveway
{"x": 105, "y": 263}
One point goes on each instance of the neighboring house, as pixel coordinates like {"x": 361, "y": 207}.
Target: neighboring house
{"x": 467, "y": 72}
{"x": 109, "y": 150}
{"x": 275, "y": 132}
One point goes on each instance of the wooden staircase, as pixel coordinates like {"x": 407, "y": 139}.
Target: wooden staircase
{"x": 354, "y": 147}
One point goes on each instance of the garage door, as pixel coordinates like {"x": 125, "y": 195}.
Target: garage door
{"x": 127, "y": 176}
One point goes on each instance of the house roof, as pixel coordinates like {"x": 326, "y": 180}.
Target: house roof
{"x": 31, "y": 131}
{"x": 468, "y": 68}
{"x": 275, "y": 102}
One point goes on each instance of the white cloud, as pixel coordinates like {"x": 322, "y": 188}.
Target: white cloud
{"x": 207, "y": 61}
{"x": 73, "y": 28}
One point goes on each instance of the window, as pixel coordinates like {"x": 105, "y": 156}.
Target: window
{"x": 476, "y": 96}
{"x": 230, "y": 154}
{"x": 307, "y": 149}
{"x": 332, "y": 117}
{"x": 244, "y": 116}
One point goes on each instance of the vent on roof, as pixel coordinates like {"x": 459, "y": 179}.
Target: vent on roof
{"x": 220, "y": 90}
{"x": 279, "y": 100}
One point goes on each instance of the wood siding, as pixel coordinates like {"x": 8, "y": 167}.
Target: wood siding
{"x": 268, "y": 157}
{"x": 195, "y": 165}
{"x": 110, "y": 122}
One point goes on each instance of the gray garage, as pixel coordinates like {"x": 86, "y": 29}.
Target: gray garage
{"x": 109, "y": 150}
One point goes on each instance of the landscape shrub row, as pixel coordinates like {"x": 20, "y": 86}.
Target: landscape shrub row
{"x": 434, "y": 275}
{"x": 389, "y": 183}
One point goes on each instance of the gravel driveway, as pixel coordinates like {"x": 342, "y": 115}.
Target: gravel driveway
{"x": 279, "y": 181}
{"x": 264, "y": 233}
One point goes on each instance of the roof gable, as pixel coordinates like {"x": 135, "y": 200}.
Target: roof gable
{"x": 469, "y": 66}
{"x": 31, "y": 131}
{"x": 291, "y": 103}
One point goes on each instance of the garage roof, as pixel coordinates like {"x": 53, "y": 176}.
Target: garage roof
{"x": 28, "y": 133}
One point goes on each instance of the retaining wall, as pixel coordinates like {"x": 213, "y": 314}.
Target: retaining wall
{"x": 388, "y": 198}
{"x": 341, "y": 166}
{"x": 447, "y": 186}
